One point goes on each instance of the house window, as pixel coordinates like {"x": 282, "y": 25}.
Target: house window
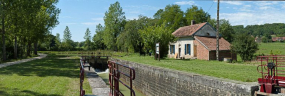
{"x": 172, "y": 49}
{"x": 187, "y": 49}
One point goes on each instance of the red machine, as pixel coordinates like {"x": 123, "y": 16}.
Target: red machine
{"x": 272, "y": 69}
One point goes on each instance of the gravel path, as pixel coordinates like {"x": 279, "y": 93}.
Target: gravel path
{"x": 22, "y": 61}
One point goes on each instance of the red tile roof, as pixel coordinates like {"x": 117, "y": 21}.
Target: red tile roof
{"x": 210, "y": 43}
{"x": 188, "y": 30}
{"x": 278, "y": 39}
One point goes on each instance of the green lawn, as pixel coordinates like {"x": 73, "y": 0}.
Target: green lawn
{"x": 48, "y": 76}
{"x": 276, "y": 47}
{"x": 239, "y": 72}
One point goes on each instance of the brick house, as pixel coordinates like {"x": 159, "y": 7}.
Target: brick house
{"x": 198, "y": 41}
{"x": 280, "y": 39}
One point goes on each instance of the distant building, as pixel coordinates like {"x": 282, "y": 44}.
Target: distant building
{"x": 199, "y": 41}
{"x": 258, "y": 39}
{"x": 280, "y": 39}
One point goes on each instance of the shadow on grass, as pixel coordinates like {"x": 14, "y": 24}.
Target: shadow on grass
{"x": 4, "y": 91}
{"x": 49, "y": 66}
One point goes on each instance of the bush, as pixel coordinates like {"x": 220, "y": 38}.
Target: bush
{"x": 245, "y": 46}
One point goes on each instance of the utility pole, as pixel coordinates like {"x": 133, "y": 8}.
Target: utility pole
{"x": 217, "y": 34}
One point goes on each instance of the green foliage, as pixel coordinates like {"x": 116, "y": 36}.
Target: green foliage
{"x": 226, "y": 30}
{"x": 157, "y": 34}
{"x": 266, "y": 38}
{"x": 194, "y": 13}
{"x": 114, "y": 24}
{"x": 98, "y": 37}
{"x": 245, "y": 46}
{"x": 67, "y": 42}
{"x": 87, "y": 37}
{"x": 173, "y": 16}
{"x": 58, "y": 41}
{"x": 262, "y": 30}
{"x": 157, "y": 15}
{"x": 26, "y": 22}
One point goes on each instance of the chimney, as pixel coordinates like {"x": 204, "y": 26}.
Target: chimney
{"x": 192, "y": 22}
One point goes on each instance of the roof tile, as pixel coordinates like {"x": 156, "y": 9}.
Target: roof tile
{"x": 211, "y": 44}
{"x": 188, "y": 30}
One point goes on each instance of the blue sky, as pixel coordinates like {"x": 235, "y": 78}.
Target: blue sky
{"x": 79, "y": 15}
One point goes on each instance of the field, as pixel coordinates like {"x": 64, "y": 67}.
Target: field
{"x": 277, "y": 48}
{"x": 48, "y": 76}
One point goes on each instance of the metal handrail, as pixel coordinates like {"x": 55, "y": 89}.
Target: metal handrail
{"x": 114, "y": 78}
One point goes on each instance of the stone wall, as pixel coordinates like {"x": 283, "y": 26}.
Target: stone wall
{"x": 155, "y": 81}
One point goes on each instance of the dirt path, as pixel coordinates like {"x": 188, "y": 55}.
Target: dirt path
{"x": 22, "y": 61}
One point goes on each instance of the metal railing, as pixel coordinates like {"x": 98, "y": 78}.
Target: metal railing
{"x": 82, "y": 92}
{"x": 114, "y": 78}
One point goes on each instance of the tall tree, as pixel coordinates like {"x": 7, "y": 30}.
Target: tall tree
{"x": 173, "y": 16}
{"x": 157, "y": 34}
{"x": 226, "y": 30}
{"x": 58, "y": 41}
{"x": 114, "y": 24}
{"x": 194, "y": 13}
{"x": 98, "y": 37}
{"x": 67, "y": 42}
{"x": 157, "y": 15}
{"x": 87, "y": 38}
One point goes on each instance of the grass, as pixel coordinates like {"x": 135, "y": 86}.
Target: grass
{"x": 48, "y": 76}
{"x": 276, "y": 47}
{"x": 12, "y": 60}
{"x": 239, "y": 72}
{"x": 123, "y": 89}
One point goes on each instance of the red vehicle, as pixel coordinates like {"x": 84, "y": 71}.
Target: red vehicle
{"x": 272, "y": 69}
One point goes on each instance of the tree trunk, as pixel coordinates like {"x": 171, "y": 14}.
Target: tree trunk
{"x": 15, "y": 48}
{"x": 36, "y": 48}
{"x": 3, "y": 39}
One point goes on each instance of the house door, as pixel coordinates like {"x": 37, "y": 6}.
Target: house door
{"x": 195, "y": 50}
{"x": 179, "y": 53}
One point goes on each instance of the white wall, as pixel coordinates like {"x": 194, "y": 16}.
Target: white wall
{"x": 182, "y": 42}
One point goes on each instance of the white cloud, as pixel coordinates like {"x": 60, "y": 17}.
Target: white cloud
{"x": 232, "y": 2}
{"x": 256, "y": 17}
{"x": 266, "y": 3}
{"x": 185, "y": 3}
{"x": 265, "y": 7}
{"x": 97, "y": 19}
{"x": 90, "y": 23}
{"x": 245, "y": 8}
{"x": 283, "y": 5}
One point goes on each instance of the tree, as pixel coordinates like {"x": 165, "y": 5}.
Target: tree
{"x": 245, "y": 46}
{"x": 226, "y": 30}
{"x": 194, "y": 13}
{"x": 154, "y": 34}
{"x": 173, "y": 16}
{"x": 87, "y": 38}
{"x": 67, "y": 42}
{"x": 58, "y": 41}
{"x": 114, "y": 24}
{"x": 98, "y": 37}
{"x": 157, "y": 15}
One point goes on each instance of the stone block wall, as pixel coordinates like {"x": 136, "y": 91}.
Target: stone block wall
{"x": 155, "y": 81}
